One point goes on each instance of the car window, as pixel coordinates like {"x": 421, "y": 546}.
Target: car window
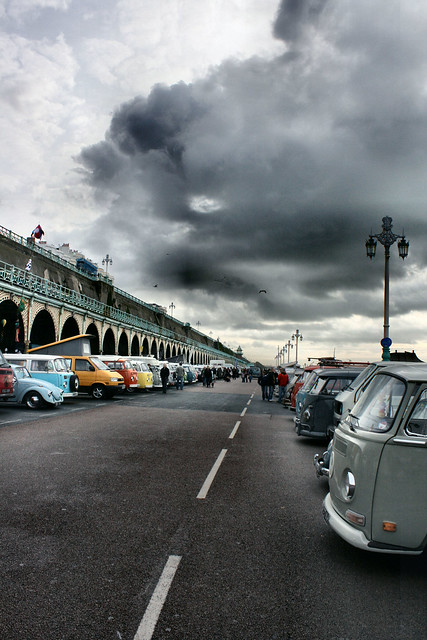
{"x": 83, "y": 365}
{"x": 417, "y": 423}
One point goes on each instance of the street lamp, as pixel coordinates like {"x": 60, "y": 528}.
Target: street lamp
{"x": 172, "y": 307}
{"x": 107, "y": 260}
{"x": 296, "y": 336}
{"x": 386, "y": 238}
{"x": 288, "y": 346}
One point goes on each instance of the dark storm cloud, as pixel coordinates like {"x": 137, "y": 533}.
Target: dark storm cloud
{"x": 271, "y": 174}
{"x": 294, "y": 16}
{"x": 156, "y": 122}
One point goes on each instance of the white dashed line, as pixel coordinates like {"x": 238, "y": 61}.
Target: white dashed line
{"x": 233, "y": 433}
{"x": 243, "y": 412}
{"x": 207, "y": 483}
{"x": 152, "y": 613}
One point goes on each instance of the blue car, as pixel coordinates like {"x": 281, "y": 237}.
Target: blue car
{"x": 33, "y": 393}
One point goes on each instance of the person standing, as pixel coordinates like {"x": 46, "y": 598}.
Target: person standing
{"x": 262, "y": 381}
{"x": 164, "y": 375}
{"x": 270, "y": 382}
{"x": 208, "y": 376}
{"x": 283, "y": 380}
{"x": 179, "y": 372}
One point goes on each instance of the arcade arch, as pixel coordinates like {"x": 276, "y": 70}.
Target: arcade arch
{"x": 43, "y": 329}
{"x": 70, "y": 328}
{"x": 94, "y": 343}
{"x": 134, "y": 348}
{"x": 123, "y": 346}
{"x": 109, "y": 343}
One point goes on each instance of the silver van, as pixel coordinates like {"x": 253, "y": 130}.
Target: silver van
{"x": 377, "y": 497}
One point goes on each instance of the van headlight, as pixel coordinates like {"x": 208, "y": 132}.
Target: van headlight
{"x": 349, "y": 485}
{"x": 115, "y": 379}
{"x": 307, "y": 415}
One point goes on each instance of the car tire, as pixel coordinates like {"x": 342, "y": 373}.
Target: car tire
{"x": 99, "y": 392}
{"x": 74, "y": 383}
{"x": 33, "y": 400}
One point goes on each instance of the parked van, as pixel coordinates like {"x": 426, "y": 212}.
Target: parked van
{"x": 317, "y": 410}
{"x": 6, "y": 379}
{"x": 125, "y": 368}
{"x": 145, "y": 377}
{"x": 377, "y": 474}
{"x": 50, "y": 368}
{"x": 95, "y": 377}
{"x": 154, "y": 365}
{"x": 347, "y": 398}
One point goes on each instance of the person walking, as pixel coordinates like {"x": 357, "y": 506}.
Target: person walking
{"x": 262, "y": 381}
{"x": 179, "y": 372}
{"x": 270, "y": 382}
{"x": 208, "y": 376}
{"x": 283, "y": 380}
{"x": 164, "y": 375}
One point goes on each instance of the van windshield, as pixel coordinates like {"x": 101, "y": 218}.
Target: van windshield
{"x": 377, "y": 408}
{"x": 363, "y": 375}
{"x": 99, "y": 364}
{"x": 60, "y": 364}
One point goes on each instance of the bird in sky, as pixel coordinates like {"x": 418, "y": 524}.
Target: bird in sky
{"x": 155, "y": 285}
{"x": 262, "y": 291}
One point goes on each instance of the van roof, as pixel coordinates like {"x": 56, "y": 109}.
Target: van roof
{"x": 411, "y": 371}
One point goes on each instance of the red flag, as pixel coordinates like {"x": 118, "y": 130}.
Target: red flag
{"x": 37, "y": 232}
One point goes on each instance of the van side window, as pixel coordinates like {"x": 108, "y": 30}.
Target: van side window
{"x": 84, "y": 365}
{"x": 417, "y": 424}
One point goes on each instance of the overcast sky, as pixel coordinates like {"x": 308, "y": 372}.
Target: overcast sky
{"x": 220, "y": 148}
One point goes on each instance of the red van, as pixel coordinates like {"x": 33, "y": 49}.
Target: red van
{"x": 6, "y": 379}
{"x": 123, "y": 366}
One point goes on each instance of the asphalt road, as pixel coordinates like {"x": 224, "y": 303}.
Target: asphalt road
{"x": 191, "y": 515}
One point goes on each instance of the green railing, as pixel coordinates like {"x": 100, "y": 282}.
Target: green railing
{"x": 30, "y": 283}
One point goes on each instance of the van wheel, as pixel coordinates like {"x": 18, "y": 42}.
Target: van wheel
{"x": 74, "y": 383}
{"x": 33, "y": 400}
{"x": 99, "y": 392}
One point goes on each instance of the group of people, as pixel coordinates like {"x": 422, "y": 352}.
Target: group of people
{"x": 179, "y": 377}
{"x": 269, "y": 380}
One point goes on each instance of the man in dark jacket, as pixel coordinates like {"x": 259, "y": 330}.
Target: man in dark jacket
{"x": 164, "y": 375}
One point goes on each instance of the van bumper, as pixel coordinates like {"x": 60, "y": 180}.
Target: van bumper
{"x": 342, "y": 528}
{"x": 357, "y": 538}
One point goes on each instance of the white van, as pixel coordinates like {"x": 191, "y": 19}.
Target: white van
{"x": 378, "y": 468}
{"x": 50, "y": 368}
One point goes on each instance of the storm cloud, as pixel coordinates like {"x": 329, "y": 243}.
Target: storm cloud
{"x": 264, "y": 171}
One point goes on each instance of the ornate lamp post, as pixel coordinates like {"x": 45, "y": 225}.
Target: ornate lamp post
{"x": 287, "y": 348}
{"x": 107, "y": 260}
{"x": 297, "y": 336}
{"x": 386, "y": 238}
{"x": 172, "y": 307}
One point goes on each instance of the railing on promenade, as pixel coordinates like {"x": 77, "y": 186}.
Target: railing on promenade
{"x": 48, "y": 254}
{"x": 30, "y": 283}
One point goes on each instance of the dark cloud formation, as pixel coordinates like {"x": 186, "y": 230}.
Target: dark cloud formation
{"x": 295, "y": 16}
{"x": 270, "y": 174}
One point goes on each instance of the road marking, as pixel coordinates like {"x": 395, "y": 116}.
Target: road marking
{"x": 207, "y": 483}
{"x": 249, "y": 402}
{"x": 233, "y": 433}
{"x": 146, "y": 628}
{"x": 252, "y": 396}
{"x": 243, "y": 412}
{"x": 11, "y": 422}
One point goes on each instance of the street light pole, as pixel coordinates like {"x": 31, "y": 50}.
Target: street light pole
{"x": 107, "y": 260}
{"x": 297, "y": 336}
{"x": 386, "y": 238}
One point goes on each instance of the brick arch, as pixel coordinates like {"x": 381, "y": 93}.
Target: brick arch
{"x": 42, "y": 328}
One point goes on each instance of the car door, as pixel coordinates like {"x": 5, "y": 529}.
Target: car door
{"x": 401, "y": 489}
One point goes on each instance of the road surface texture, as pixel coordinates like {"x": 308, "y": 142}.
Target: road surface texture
{"x": 194, "y": 515}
